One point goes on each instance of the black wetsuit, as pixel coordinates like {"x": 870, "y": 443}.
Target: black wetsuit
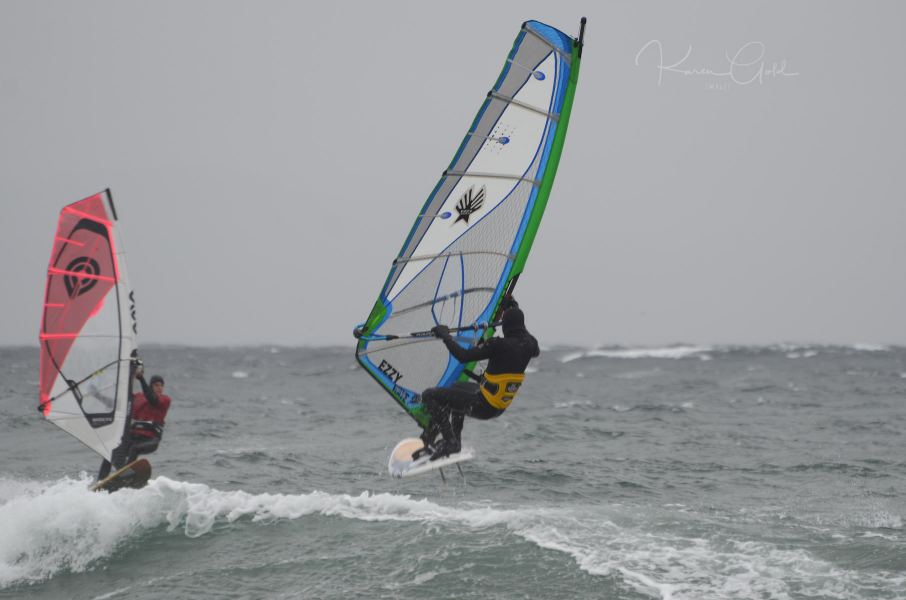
{"x": 134, "y": 445}
{"x": 449, "y": 406}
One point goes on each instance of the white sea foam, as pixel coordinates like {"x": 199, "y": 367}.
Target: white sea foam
{"x": 112, "y": 594}
{"x": 61, "y": 526}
{"x": 48, "y": 528}
{"x": 805, "y": 354}
{"x": 575, "y": 404}
{"x": 628, "y": 353}
{"x": 240, "y": 375}
{"x": 674, "y": 567}
{"x": 571, "y": 356}
{"x": 863, "y": 347}
{"x": 878, "y": 519}
{"x": 813, "y": 349}
{"x": 785, "y": 347}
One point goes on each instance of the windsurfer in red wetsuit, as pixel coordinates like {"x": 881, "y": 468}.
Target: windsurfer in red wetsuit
{"x": 149, "y": 409}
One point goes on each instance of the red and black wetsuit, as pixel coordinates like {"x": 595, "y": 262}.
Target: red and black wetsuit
{"x": 148, "y": 407}
{"x": 148, "y": 413}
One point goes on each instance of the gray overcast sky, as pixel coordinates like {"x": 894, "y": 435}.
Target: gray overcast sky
{"x": 268, "y": 158}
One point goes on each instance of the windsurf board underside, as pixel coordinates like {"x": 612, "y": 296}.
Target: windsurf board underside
{"x": 402, "y": 464}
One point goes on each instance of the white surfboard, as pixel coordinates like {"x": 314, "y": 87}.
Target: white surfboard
{"x": 402, "y": 465}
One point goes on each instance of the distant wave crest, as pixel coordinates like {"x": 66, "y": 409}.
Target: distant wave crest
{"x": 669, "y": 352}
{"x": 708, "y": 352}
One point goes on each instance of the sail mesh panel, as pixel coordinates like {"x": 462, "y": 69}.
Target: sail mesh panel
{"x": 423, "y": 363}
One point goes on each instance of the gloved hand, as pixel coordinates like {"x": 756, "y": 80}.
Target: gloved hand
{"x": 441, "y": 331}
{"x": 507, "y": 303}
{"x": 138, "y": 367}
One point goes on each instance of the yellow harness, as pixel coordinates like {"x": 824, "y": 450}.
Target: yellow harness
{"x": 499, "y": 389}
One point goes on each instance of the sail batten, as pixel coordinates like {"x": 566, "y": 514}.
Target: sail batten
{"x": 469, "y": 242}
{"x": 511, "y": 176}
{"x": 529, "y": 107}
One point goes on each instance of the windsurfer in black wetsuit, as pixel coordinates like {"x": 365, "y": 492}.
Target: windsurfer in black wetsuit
{"x": 507, "y": 359}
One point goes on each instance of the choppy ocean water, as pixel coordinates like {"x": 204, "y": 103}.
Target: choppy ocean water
{"x": 683, "y": 473}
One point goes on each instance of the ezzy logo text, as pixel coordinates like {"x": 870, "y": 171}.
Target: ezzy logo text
{"x": 387, "y": 369}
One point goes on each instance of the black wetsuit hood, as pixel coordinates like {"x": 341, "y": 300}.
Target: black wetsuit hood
{"x": 516, "y": 347}
{"x": 514, "y": 323}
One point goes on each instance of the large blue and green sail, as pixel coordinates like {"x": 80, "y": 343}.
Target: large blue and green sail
{"x": 470, "y": 240}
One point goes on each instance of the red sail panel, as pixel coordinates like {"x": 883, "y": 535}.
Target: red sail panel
{"x": 82, "y": 271}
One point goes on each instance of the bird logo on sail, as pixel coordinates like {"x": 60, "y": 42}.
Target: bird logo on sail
{"x": 469, "y": 203}
{"x": 76, "y": 285}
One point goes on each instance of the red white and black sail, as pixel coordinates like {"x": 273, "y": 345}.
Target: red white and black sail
{"x": 88, "y": 327}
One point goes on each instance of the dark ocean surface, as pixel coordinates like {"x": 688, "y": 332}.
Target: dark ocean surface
{"x": 679, "y": 473}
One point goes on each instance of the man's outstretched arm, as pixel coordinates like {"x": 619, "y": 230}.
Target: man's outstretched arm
{"x": 463, "y": 355}
{"x": 152, "y": 398}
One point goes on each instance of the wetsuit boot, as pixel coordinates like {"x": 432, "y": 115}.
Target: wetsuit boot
{"x": 449, "y": 445}
{"x": 457, "y": 419}
{"x": 429, "y": 434}
{"x": 104, "y": 470}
